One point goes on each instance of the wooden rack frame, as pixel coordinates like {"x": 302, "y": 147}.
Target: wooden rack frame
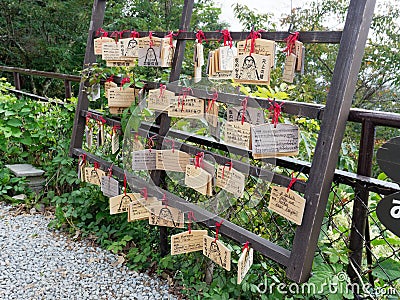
{"x": 334, "y": 115}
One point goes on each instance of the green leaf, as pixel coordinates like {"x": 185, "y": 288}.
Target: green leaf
{"x": 14, "y": 123}
{"x": 389, "y": 269}
{"x": 27, "y": 140}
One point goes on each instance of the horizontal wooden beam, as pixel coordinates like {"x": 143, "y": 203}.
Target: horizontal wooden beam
{"x": 41, "y": 73}
{"x": 331, "y": 37}
{"x": 228, "y": 229}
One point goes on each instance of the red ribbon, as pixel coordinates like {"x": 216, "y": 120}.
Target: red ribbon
{"x": 290, "y": 42}
{"x": 294, "y": 179}
{"x": 200, "y": 36}
{"x": 253, "y": 36}
{"x": 277, "y": 110}
{"x": 110, "y": 79}
{"x": 125, "y": 184}
{"x": 82, "y": 157}
{"x": 115, "y": 128}
{"x": 164, "y": 200}
{"x": 171, "y": 35}
{"x": 198, "y": 162}
{"x": 212, "y": 102}
{"x": 182, "y": 96}
{"x": 172, "y": 144}
{"x": 229, "y": 164}
{"x": 110, "y": 170}
{"x": 150, "y": 143}
{"x": 190, "y": 218}
{"x": 163, "y": 87}
{"x": 143, "y": 192}
{"x": 102, "y": 33}
{"x": 102, "y": 120}
{"x": 151, "y": 43}
{"x": 217, "y": 227}
{"x": 244, "y": 105}
{"x": 96, "y": 165}
{"x": 125, "y": 80}
{"x": 226, "y": 35}
{"x": 135, "y": 34}
{"x": 116, "y": 35}
{"x": 246, "y": 246}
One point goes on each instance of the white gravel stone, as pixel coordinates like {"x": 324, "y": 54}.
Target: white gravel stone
{"x": 36, "y": 263}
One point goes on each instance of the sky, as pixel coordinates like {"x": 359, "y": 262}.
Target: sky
{"x": 278, "y": 8}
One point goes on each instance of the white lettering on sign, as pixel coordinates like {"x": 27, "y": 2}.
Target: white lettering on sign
{"x": 395, "y": 211}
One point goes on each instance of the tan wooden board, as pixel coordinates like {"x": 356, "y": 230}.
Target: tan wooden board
{"x": 230, "y": 180}
{"x": 244, "y": 264}
{"x": 186, "y": 107}
{"x": 168, "y": 216}
{"x": 198, "y": 179}
{"x": 217, "y": 252}
{"x": 270, "y": 141}
{"x": 159, "y": 100}
{"x": 186, "y": 242}
{"x": 93, "y": 175}
{"x": 289, "y": 205}
{"x": 237, "y": 134}
{"x": 119, "y": 204}
{"x": 120, "y": 97}
{"x": 172, "y": 160}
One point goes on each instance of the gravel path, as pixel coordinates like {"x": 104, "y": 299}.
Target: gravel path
{"x": 36, "y": 263}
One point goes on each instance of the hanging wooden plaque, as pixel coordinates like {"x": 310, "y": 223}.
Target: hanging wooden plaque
{"x": 287, "y": 204}
{"x": 231, "y": 180}
{"x": 149, "y": 52}
{"x": 252, "y": 115}
{"x": 119, "y": 97}
{"x": 159, "y": 100}
{"x": 107, "y": 86}
{"x": 93, "y": 175}
{"x": 244, "y": 264}
{"x": 119, "y": 204}
{"x": 186, "y": 242}
{"x": 139, "y": 209}
{"x": 198, "y": 179}
{"x": 162, "y": 215}
{"x": 270, "y": 141}
{"x": 172, "y": 160}
{"x": 217, "y": 252}
{"x": 289, "y": 69}
{"x": 109, "y": 186}
{"x": 252, "y": 69}
{"x": 144, "y": 159}
{"x": 128, "y": 48}
{"x": 262, "y": 47}
{"x": 237, "y": 134}
{"x": 186, "y": 107}
{"x": 98, "y": 44}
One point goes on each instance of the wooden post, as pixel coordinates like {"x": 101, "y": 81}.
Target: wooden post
{"x": 360, "y": 207}
{"x": 83, "y": 103}
{"x": 338, "y": 105}
{"x": 163, "y": 120}
{"x": 17, "y": 80}
{"x": 67, "y": 87}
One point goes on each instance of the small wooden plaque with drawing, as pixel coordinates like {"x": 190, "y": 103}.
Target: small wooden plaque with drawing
{"x": 244, "y": 264}
{"x": 288, "y": 204}
{"x": 217, "y": 252}
{"x": 163, "y": 215}
{"x": 93, "y": 175}
{"x": 119, "y": 204}
{"x": 186, "y": 242}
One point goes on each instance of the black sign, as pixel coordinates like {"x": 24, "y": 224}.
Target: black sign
{"x": 388, "y": 209}
{"x": 388, "y": 158}
{"x": 388, "y": 212}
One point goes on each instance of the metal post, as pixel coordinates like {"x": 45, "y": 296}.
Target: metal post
{"x": 360, "y": 207}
